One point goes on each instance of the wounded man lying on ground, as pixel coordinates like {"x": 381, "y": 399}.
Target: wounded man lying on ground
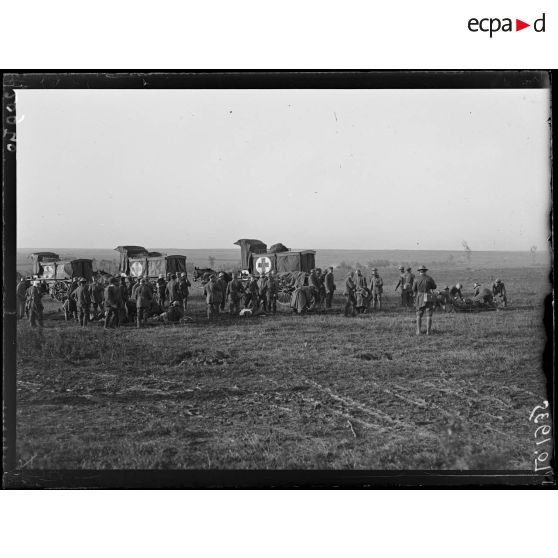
{"x": 174, "y": 314}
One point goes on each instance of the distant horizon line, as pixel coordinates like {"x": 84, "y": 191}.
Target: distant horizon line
{"x": 298, "y": 249}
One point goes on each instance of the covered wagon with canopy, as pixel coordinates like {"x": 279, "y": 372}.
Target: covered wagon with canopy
{"x": 137, "y": 261}
{"x": 291, "y": 267}
{"x": 58, "y": 274}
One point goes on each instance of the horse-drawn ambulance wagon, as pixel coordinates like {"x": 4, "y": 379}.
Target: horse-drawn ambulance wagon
{"x": 136, "y": 261}
{"x": 58, "y": 274}
{"x": 291, "y": 268}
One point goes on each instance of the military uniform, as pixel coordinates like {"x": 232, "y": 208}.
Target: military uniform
{"x": 173, "y": 292}
{"x": 349, "y": 294}
{"x": 72, "y": 306}
{"x": 262, "y": 292}
{"x": 144, "y": 298}
{"x": 161, "y": 287}
{"x": 173, "y": 314}
{"x": 482, "y": 295}
{"x": 425, "y": 299}
{"x": 455, "y": 293}
{"x": 112, "y": 297}
{"x": 252, "y": 295}
{"x": 183, "y": 285}
{"x": 234, "y": 293}
{"x": 83, "y": 301}
{"x": 21, "y": 296}
{"x": 96, "y": 294}
{"x": 34, "y": 297}
{"x": 272, "y": 290}
{"x": 499, "y": 291}
{"x": 401, "y": 283}
{"x": 329, "y": 284}
{"x": 377, "y": 285}
{"x": 213, "y": 296}
{"x": 222, "y": 286}
{"x": 361, "y": 293}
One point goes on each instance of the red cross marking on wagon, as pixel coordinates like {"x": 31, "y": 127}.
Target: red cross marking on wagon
{"x": 263, "y": 265}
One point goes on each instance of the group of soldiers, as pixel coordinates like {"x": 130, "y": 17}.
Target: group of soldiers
{"x": 124, "y": 298}
{"x": 116, "y": 302}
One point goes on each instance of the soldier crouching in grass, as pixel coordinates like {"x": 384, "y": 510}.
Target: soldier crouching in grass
{"x": 173, "y": 315}
{"x": 425, "y": 299}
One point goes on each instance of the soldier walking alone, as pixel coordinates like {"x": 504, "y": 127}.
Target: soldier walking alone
{"x": 425, "y": 299}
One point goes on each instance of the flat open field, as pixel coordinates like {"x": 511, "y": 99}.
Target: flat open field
{"x": 290, "y": 392}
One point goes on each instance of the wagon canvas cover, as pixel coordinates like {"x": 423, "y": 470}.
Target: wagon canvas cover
{"x": 42, "y": 257}
{"x": 74, "y": 268}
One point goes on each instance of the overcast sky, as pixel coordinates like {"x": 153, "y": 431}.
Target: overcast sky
{"x": 360, "y": 169}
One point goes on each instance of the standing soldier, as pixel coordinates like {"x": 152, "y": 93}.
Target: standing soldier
{"x": 425, "y": 299}
{"x": 96, "y": 294}
{"x": 401, "y": 283}
{"x": 315, "y": 284}
{"x": 262, "y": 291}
{"x": 499, "y": 292}
{"x": 212, "y": 296}
{"x": 172, "y": 292}
{"x": 377, "y": 285}
{"x": 161, "y": 287}
{"x": 349, "y": 294}
{"x": 183, "y": 285}
{"x": 252, "y": 295}
{"x": 21, "y": 294}
{"x": 35, "y": 304}
{"x": 409, "y": 281}
{"x": 272, "y": 290}
{"x": 144, "y": 297}
{"x": 222, "y": 286}
{"x": 125, "y": 297}
{"x": 234, "y": 294}
{"x": 72, "y": 307}
{"x": 329, "y": 284}
{"x": 83, "y": 301}
{"x": 361, "y": 292}
{"x": 112, "y": 296}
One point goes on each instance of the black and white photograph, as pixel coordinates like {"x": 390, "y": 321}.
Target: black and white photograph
{"x": 235, "y": 276}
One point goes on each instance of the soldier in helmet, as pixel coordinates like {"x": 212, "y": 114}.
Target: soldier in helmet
{"x": 183, "y": 285}
{"x": 377, "y": 285}
{"x": 72, "y": 307}
{"x": 173, "y": 292}
{"x": 482, "y": 295}
{"x": 234, "y": 293}
{"x": 112, "y": 300}
{"x": 251, "y": 294}
{"x": 83, "y": 301}
{"x": 329, "y": 284}
{"x": 222, "y": 288}
{"x": 272, "y": 292}
{"x": 362, "y": 292}
{"x": 349, "y": 293}
{"x": 499, "y": 292}
{"x": 21, "y": 292}
{"x": 35, "y": 304}
{"x": 401, "y": 283}
{"x": 425, "y": 299}
{"x": 96, "y": 293}
{"x": 144, "y": 298}
{"x": 161, "y": 287}
{"x": 213, "y": 296}
{"x": 173, "y": 314}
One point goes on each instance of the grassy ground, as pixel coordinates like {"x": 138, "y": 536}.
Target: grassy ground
{"x": 286, "y": 391}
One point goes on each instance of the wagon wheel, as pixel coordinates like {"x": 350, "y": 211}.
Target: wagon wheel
{"x": 59, "y": 291}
